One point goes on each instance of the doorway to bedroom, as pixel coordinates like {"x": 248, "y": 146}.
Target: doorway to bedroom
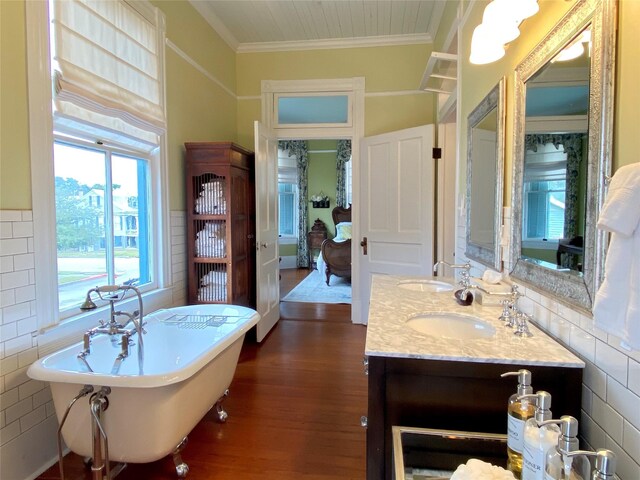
{"x": 315, "y": 195}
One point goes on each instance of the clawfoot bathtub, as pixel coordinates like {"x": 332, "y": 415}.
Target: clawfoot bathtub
{"x": 154, "y": 400}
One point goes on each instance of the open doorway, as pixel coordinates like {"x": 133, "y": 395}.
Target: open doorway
{"x": 315, "y": 196}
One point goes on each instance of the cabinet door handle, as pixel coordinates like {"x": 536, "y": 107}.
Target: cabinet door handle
{"x": 363, "y": 244}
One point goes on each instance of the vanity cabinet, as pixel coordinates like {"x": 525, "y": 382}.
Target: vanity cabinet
{"x": 220, "y": 203}
{"x": 451, "y": 395}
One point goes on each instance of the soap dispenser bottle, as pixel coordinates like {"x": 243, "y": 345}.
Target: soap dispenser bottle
{"x": 565, "y": 461}
{"x": 605, "y": 464}
{"x": 539, "y": 437}
{"x": 518, "y": 412}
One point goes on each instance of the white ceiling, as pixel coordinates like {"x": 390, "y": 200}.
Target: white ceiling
{"x": 261, "y": 25}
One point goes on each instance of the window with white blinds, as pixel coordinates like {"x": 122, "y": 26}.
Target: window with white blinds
{"x": 107, "y": 62}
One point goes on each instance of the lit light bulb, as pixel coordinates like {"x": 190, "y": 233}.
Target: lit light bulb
{"x": 485, "y": 48}
{"x": 500, "y": 22}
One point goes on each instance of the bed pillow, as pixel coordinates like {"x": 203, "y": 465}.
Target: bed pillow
{"x": 343, "y": 231}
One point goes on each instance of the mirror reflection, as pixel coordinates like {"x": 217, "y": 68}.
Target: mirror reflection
{"x": 484, "y": 141}
{"x": 485, "y": 166}
{"x": 555, "y": 159}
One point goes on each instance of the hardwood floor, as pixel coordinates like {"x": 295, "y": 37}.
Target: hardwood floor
{"x": 294, "y": 410}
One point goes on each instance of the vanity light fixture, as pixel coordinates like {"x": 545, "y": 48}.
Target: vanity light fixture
{"x": 499, "y": 26}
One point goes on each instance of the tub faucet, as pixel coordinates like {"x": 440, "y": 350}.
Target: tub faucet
{"x": 113, "y": 294}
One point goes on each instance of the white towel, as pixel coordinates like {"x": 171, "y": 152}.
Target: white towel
{"x": 616, "y": 308}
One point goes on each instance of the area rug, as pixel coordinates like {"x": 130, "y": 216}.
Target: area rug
{"x": 314, "y": 289}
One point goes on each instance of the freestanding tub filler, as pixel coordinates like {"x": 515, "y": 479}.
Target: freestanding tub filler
{"x": 143, "y": 404}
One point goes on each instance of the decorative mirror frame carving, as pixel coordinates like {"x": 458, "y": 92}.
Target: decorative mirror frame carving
{"x": 602, "y": 15}
{"x": 494, "y": 99}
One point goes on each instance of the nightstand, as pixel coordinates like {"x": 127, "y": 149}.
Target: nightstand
{"x": 315, "y": 237}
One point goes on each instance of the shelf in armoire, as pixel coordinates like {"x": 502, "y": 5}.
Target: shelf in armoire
{"x": 200, "y": 216}
{"x": 210, "y": 259}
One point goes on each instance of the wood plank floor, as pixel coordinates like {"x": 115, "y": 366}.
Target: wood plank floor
{"x": 294, "y": 408}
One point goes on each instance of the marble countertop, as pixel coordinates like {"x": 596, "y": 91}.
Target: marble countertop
{"x": 389, "y": 336}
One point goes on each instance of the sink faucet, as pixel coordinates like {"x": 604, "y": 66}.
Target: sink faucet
{"x": 465, "y": 266}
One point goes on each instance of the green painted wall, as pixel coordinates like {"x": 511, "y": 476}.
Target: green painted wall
{"x": 15, "y": 171}
{"x": 386, "y": 69}
{"x": 288, "y": 250}
{"x": 322, "y": 178}
{"x": 198, "y": 108}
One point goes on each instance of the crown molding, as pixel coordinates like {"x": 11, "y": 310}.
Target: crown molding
{"x": 205, "y": 10}
{"x": 331, "y": 43}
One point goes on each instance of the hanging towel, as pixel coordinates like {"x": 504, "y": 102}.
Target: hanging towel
{"x": 616, "y": 308}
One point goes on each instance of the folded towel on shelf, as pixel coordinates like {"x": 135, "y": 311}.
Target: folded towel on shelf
{"x": 616, "y": 308}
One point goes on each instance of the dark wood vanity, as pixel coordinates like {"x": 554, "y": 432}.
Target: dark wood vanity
{"x": 449, "y": 379}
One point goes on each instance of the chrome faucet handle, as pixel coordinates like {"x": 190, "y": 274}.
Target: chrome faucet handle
{"x": 507, "y": 314}
{"x": 522, "y": 325}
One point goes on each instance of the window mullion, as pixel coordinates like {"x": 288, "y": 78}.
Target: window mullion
{"x": 108, "y": 220}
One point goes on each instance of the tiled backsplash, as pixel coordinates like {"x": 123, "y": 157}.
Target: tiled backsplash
{"x": 24, "y": 403}
{"x": 179, "y": 257}
{"x": 611, "y": 381}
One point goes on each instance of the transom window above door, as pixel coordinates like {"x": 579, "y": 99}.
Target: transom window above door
{"x": 313, "y": 109}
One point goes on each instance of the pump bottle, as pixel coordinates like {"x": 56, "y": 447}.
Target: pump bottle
{"x": 518, "y": 412}
{"x": 565, "y": 461}
{"x": 605, "y": 464}
{"x": 538, "y": 437}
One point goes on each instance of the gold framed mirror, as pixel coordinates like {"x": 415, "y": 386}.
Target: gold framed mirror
{"x": 563, "y": 122}
{"x": 485, "y": 178}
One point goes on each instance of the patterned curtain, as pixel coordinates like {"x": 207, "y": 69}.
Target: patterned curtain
{"x": 572, "y": 144}
{"x": 342, "y": 157}
{"x": 299, "y": 149}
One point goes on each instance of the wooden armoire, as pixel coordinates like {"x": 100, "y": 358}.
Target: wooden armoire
{"x": 221, "y": 248}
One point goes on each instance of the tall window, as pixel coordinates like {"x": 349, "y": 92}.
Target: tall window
{"x": 102, "y": 220}
{"x": 106, "y": 130}
{"x": 288, "y": 209}
{"x": 544, "y": 209}
{"x": 349, "y": 181}
{"x": 544, "y": 193}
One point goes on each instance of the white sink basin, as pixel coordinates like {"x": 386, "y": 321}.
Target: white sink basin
{"x": 426, "y": 285}
{"x": 451, "y": 325}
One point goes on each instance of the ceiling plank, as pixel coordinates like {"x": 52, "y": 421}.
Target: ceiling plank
{"x": 344, "y": 18}
{"x": 397, "y": 18}
{"x": 357, "y": 18}
{"x": 371, "y": 18}
{"x": 331, "y": 15}
{"x": 384, "y": 17}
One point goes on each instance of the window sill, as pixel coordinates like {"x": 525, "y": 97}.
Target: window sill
{"x": 287, "y": 241}
{"x": 540, "y": 244}
{"x": 69, "y": 331}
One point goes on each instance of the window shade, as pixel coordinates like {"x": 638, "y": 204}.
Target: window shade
{"x": 107, "y": 62}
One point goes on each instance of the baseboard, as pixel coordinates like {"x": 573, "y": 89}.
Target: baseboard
{"x": 288, "y": 262}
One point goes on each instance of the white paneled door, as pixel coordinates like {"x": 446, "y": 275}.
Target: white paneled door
{"x": 396, "y": 206}
{"x": 267, "y": 254}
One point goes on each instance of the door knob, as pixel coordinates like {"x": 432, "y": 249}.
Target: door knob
{"x": 363, "y": 244}
{"x": 264, "y": 245}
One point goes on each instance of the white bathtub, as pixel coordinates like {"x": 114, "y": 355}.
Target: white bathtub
{"x": 189, "y": 359}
